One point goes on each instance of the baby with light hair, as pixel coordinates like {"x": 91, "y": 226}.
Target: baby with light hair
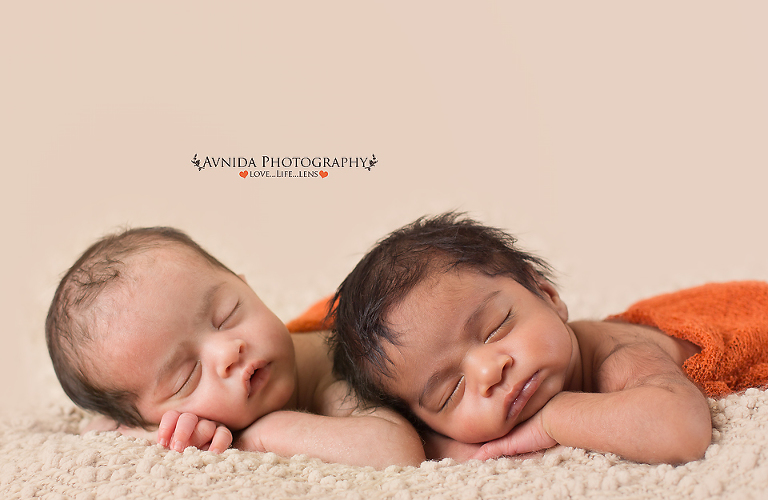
{"x": 167, "y": 343}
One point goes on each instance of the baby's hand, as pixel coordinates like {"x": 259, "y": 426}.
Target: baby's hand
{"x": 527, "y": 437}
{"x": 180, "y": 430}
{"x": 250, "y": 438}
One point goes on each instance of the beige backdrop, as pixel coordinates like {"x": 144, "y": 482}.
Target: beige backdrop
{"x": 625, "y": 143}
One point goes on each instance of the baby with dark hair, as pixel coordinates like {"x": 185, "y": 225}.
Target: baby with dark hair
{"x": 167, "y": 343}
{"x": 452, "y": 325}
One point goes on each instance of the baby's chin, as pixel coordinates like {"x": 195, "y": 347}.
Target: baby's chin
{"x": 478, "y": 437}
{"x": 236, "y": 425}
{"x": 473, "y": 438}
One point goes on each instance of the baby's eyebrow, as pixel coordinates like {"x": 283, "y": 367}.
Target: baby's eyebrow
{"x": 170, "y": 365}
{"x": 470, "y": 327}
{"x": 433, "y": 381}
{"x": 207, "y": 302}
{"x": 473, "y": 321}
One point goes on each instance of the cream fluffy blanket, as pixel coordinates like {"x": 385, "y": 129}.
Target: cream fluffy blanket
{"x": 43, "y": 456}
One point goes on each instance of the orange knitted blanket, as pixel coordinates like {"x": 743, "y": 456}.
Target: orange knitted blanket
{"x": 729, "y": 321}
{"x": 313, "y": 319}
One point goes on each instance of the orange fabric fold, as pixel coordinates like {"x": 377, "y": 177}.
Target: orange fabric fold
{"x": 314, "y": 319}
{"x": 728, "y": 321}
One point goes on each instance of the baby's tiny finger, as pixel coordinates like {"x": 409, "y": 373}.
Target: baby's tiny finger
{"x": 166, "y": 427}
{"x": 222, "y": 438}
{"x": 479, "y": 455}
{"x": 487, "y": 451}
{"x": 203, "y": 433}
{"x": 185, "y": 426}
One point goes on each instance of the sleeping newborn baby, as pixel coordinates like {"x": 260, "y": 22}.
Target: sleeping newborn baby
{"x": 448, "y": 322}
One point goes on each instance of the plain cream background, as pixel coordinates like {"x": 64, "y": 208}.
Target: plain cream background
{"x": 626, "y": 143}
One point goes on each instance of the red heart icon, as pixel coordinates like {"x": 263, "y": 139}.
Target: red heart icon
{"x": 244, "y": 174}
{"x": 323, "y": 174}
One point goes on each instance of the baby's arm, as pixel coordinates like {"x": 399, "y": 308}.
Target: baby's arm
{"x": 650, "y": 413}
{"x": 344, "y": 433}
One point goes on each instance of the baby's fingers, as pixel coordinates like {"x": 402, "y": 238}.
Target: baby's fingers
{"x": 185, "y": 427}
{"x": 166, "y": 427}
{"x": 222, "y": 438}
{"x": 490, "y": 450}
{"x": 204, "y": 432}
{"x": 211, "y": 436}
{"x": 527, "y": 437}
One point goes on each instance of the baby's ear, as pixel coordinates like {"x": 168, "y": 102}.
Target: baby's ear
{"x": 553, "y": 298}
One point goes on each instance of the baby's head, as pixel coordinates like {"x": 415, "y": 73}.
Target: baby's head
{"x": 416, "y": 312}
{"x": 147, "y": 321}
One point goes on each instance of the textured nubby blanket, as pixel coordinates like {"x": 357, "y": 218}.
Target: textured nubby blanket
{"x": 43, "y": 456}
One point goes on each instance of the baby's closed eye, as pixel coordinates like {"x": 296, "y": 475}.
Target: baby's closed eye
{"x": 190, "y": 381}
{"x": 500, "y": 331}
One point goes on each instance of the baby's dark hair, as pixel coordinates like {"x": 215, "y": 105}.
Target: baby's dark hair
{"x": 392, "y": 269}
{"x": 69, "y": 327}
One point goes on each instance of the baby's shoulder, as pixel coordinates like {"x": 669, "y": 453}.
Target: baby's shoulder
{"x": 334, "y": 398}
{"x": 618, "y": 353}
{"x": 311, "y": 348}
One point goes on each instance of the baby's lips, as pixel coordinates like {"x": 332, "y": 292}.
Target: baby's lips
{"x": 248, "y": 375}
{"x": 520, "y": 398}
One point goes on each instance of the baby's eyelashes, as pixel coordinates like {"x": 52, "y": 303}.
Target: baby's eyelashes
{"x": 229, "y": 317}
{"x": 451, "y": 396}
{"x": 191, "y": 380}
{"x": 499, "y": 331}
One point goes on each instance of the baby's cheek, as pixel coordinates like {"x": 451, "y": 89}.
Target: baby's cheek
{"x": 478, "y": 427}
{"x": 453, "y": 427}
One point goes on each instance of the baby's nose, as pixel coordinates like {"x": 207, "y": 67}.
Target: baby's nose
{"x": 227, "y": 353}
{"x": 486, "y": 367}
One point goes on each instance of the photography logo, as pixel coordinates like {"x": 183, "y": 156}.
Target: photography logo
{"x": 291, "y": 167}
{"x": 373, "y": 161}
{"x": 196, "y": 163}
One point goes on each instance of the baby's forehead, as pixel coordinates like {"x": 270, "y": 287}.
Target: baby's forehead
{"x": 448, "y": 281}
{"x": 149, "y": 268}
{"x": 444, "y": 292}
{"x": 166, "y": 251}
{"x": 154, "y": 261}
{"x": 437, "y": 289}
